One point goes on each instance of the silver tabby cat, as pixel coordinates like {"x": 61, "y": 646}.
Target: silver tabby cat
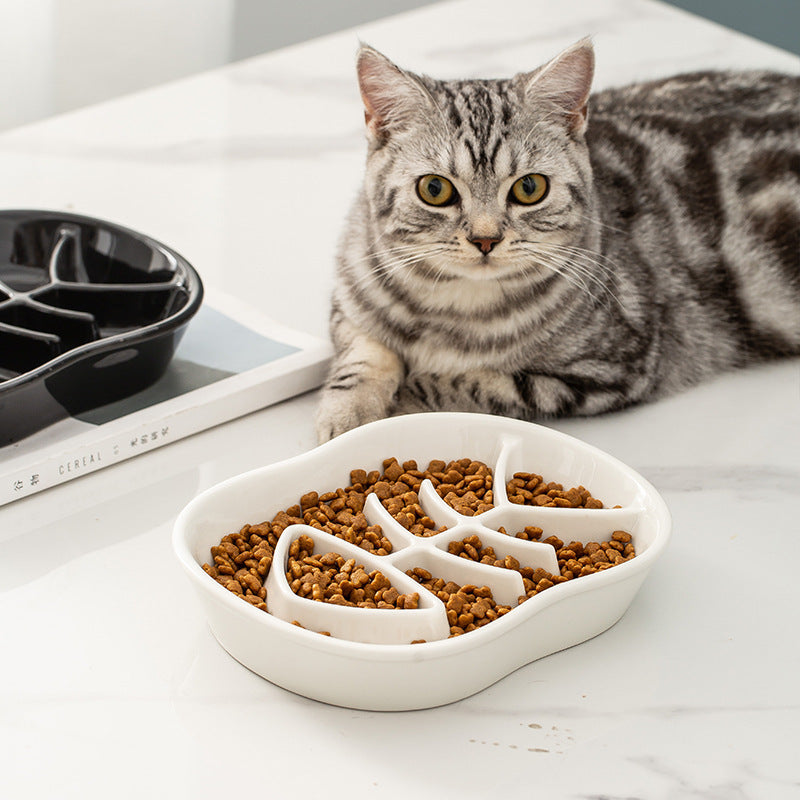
{"x": 524, "y": 249}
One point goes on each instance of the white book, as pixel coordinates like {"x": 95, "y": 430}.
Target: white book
{"x": 232, "y": 360}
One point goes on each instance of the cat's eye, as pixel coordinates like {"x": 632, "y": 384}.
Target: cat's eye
{"x": 436, "y": 190}
{"x": 529, "y": 189}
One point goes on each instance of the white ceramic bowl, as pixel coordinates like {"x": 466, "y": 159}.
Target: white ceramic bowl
{"x": 375, "y": 673}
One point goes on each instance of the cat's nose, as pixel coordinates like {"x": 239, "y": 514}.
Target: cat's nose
{"x": 485, "y": 243}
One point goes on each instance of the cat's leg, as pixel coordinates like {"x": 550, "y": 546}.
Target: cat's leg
{"x": 524, "y": 395}
{"x": 486, "y": 391}
{"x": 362, "y": 382}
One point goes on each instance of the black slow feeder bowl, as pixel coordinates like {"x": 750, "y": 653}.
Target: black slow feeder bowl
{"x": 90, "y": 312}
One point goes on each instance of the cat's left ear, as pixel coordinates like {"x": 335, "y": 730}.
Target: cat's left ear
{"x": 564, "y": 83}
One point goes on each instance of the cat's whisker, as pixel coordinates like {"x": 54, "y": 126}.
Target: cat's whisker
{"x": 441, "y": 272}
{"x": 594, "y": 259}
{"x": 388, "y": 268}
{"x": 577, "y": 267}
{"x": 602, "y": 262}
{"x": 575, "y": 280}
{"x": 373, "y": 255}
{"x": 419, "y": 254}
{"x": 595, "y": 221}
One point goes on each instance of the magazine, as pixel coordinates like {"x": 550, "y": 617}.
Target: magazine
{"x": 232, "y": 360}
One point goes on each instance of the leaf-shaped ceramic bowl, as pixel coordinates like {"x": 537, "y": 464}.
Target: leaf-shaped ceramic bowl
{"x": 368, "y": 662}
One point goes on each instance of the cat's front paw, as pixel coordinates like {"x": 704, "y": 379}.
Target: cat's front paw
{"x": 342, "y": 410}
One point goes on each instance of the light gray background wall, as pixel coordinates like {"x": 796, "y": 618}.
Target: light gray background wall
{"x": 57, "y": 55}
{"x": 261, "y": 26}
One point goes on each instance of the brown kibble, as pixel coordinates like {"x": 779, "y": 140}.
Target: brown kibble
{"x": 393, "y": 471}
{"x": 479, "y": 609}
{"x": 242, "y": 560}
{"x": 211, "y": 570}
{"x": 455, "y": 603}
{"x": 309, "y": 500}
{"x": 382, "y": 490}
{"x": 358, "y": 476}
{"x": 511, "y": 563}
{"x": 554, "y": 541}
{"x": 528, "y": 489}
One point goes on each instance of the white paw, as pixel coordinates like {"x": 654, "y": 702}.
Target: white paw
{"x": 362, "y": 382}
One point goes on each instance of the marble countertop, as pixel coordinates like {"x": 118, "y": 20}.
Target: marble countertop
{"x": 111, "y": 682}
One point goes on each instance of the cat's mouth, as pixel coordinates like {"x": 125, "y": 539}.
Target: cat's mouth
{"x": 483, "y": 267}
{"x": 489, "y": 267}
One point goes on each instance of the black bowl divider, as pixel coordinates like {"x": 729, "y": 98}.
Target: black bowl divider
{"x": 90, "y": 312}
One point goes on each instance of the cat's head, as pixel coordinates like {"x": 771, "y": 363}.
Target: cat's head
{"x": 478, "y": 178}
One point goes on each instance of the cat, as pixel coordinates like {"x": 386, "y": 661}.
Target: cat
{"x": 523, "y": 248}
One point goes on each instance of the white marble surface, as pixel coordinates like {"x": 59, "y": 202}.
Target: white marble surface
{"x": 110, "y": 681}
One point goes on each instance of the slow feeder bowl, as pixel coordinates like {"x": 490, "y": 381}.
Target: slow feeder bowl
{"x": 368, "y": 661}
{"x": 90, "y": 312}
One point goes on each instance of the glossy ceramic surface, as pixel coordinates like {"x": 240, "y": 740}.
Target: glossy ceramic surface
{"x": 369, "y": 661}
{"x": 90, "y": 312}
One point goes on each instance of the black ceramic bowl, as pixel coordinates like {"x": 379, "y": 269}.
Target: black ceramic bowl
{"x": 90, "y": 312}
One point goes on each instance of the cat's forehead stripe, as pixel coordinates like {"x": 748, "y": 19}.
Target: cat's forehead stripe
{"x": 480, "y": 113}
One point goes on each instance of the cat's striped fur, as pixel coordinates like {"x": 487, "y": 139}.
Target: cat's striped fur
{"x": 665, "y": 250}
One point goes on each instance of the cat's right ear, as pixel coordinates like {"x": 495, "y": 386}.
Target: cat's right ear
{"x": 564, "y": 83}
{"x": 391, "y": 97}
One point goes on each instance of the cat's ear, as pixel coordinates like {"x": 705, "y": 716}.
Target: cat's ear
{"x": 565, "y": 83}
{"x": 391, "y": 96}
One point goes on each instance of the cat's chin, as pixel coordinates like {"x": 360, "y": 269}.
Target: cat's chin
{"x": 488, "y": 270}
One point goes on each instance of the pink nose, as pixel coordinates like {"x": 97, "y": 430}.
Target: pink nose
{"x": 485, "y": 243}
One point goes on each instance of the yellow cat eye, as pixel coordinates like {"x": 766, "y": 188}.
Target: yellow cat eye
{"x": 529, "y": 189}
{"x": 436, "y": 190}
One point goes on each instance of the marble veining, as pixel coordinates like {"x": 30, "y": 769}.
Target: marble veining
{"x": 111, "y": 681}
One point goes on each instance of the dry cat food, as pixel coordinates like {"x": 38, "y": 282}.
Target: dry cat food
{"x": 339, "y": 511}
{"x": 575, "y": 560}
{"x": 526, "y": 488}
{"x": 330, "y": 578}
{"x": 466, "y": 485}
{"x": 241, "y": 561}
{"x": 468, "y": 607}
